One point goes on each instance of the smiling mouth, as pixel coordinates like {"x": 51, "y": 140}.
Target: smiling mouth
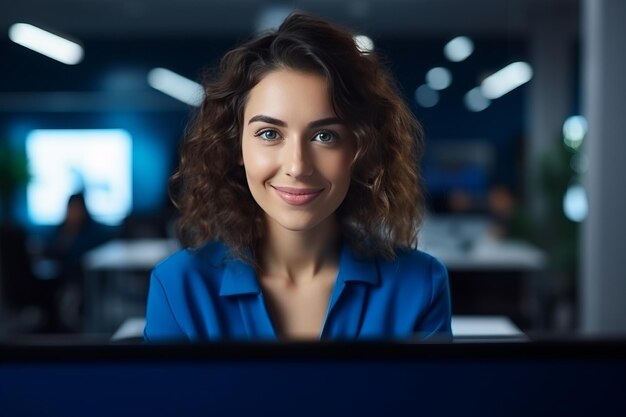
{"x": 297, "y": 196}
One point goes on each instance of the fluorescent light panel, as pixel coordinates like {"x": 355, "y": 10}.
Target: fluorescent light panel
{"x": 506, "y": 79}
{"x": 458, "y": 49}
{"x": 46, "y": 43}
{"x": 176, "y": 86}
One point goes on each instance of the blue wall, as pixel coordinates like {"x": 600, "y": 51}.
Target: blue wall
{"x": 120, "y": 65}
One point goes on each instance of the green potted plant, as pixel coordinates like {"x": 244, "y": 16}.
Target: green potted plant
{"x": 560, "y": 234}
{"x": 13, "y": 175}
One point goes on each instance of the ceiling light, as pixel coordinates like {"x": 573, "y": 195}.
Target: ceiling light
{"x": 438, "y": 78}
{"x": 458, "y": 49}
{"x": 475, "y": 101}
{"x": 574, "y": 131}
{"x": 575, "y": 204}
{"x": 46, "y": 43}
{"x": 506, "y": 79}
{"x": 176, "y": 86}
{"x": 426, "y": 96}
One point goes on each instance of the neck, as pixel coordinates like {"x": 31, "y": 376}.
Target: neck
{"x": 299, "y": 256}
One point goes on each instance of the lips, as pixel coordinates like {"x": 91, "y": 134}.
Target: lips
{"x": 297, "y": 196}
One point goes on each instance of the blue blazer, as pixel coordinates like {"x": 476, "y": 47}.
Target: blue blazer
{"x": 205, "y": 295}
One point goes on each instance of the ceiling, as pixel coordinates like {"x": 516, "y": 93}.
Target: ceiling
{"x": 174, "y": 18}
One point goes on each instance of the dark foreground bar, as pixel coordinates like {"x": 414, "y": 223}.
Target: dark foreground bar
{"x": 573, "y": 378}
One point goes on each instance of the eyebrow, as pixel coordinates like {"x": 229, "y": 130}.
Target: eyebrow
{"x": 312, "y": 125}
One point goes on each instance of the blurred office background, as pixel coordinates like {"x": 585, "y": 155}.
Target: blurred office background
{"x": 522, "y": 102}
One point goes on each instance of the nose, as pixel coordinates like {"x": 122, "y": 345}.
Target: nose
{"x": 298, "y": 161}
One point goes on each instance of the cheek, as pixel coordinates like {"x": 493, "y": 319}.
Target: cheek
{"x": 337, "y": 168}
{"x": 257, "y": 164}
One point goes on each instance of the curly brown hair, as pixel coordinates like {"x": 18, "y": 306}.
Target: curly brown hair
{"x": 384, "y": 205}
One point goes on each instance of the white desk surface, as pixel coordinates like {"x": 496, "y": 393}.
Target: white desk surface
{"x": 489, "y": 255}
{"x": 130, "y": 328}
{"x": 129, "y": 254}
{"x": 462, "y": 327}
{"x": 483, "y": 254}
{"x": 484, "y": 326}
{"x": 463, "y": 243}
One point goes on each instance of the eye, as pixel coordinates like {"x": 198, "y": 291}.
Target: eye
{"x": 268, "y": 134}
{"x": 326, "y": 136}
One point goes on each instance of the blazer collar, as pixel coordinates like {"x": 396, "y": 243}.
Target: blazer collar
{"x": 355, "y": 268}
{"x": 240, "y": 278}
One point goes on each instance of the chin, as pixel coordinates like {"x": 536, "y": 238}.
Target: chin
{"x": 298, "y": 224}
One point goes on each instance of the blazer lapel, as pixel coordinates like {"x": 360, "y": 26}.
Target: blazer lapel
{"x": 349, "y": 297}
{"x": 240, "y": 281}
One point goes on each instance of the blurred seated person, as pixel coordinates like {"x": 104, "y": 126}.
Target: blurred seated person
{"x": 76, "y": 235}
{"x": 461, "y": 202}
{"x": 507, "y": 220}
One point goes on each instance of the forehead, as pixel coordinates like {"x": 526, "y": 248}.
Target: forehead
{"x": 289, "y": 93}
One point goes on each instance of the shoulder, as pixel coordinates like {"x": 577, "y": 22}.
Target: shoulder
{"x": 180, "y": 285}
{"x": 188, "y": 261}
{"x": 415, "y": 261}
{"x": 421, "y": 292}
{"x": 413, "y": 269}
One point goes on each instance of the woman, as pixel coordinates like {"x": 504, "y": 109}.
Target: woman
{"x": 300, "y": 199}
{"x": 76, "y": 235}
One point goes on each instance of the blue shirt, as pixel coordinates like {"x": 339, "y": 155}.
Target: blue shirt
{"x": 205, "y": 295}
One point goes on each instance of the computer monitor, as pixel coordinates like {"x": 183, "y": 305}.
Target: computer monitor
{"x": 323, "y": 379}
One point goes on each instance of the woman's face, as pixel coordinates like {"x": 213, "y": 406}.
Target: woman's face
{"x": 296, "y": 152}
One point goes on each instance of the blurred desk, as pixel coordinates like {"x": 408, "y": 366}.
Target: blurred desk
{"x": 481, "y": 328}
{"x": 125, "y": 260}
{"x": 486, "y": 254}
{"x": 463, "y": 243}
{"x": 464, "y": 328}
{"x": 488, "y": 276}
{"x": 129, "y": 254}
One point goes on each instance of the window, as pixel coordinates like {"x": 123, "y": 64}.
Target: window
{"x": 63, "y": 162}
